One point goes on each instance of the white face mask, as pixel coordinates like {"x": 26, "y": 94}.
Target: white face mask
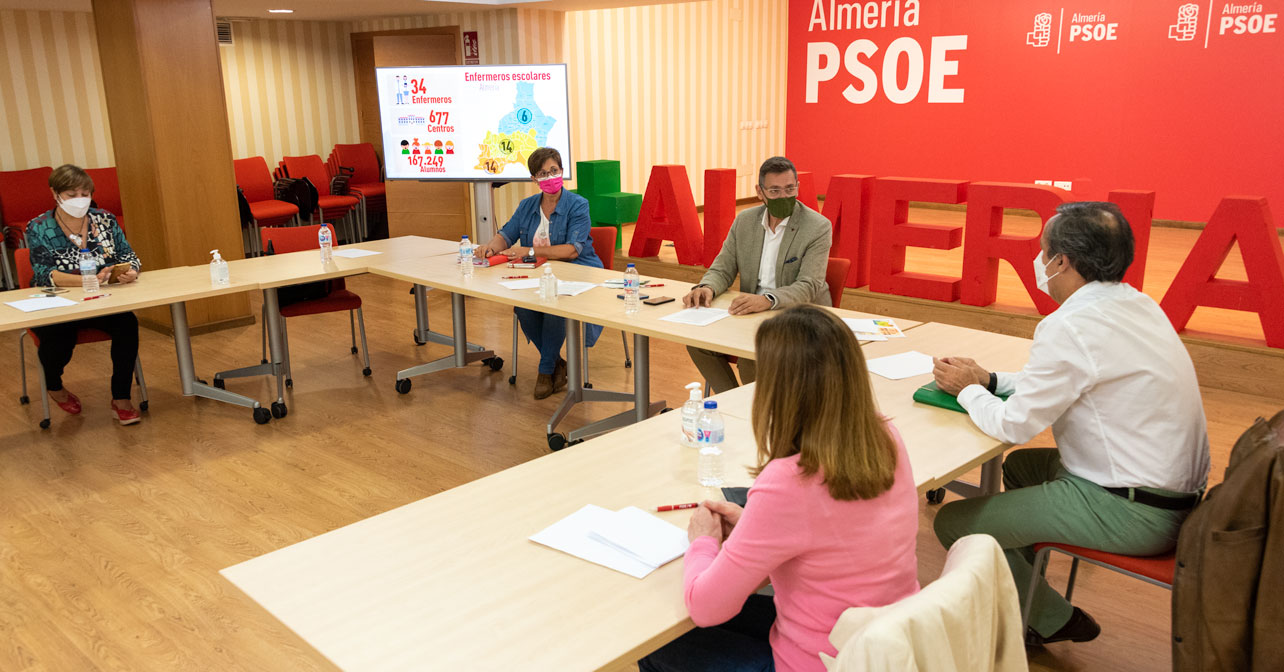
{"x": 1041, "y": 273}
{"x": 76, "y": 207}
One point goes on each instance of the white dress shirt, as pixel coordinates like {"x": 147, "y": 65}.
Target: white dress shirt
{"x": 770, "y": 252}
{"x": 1111, "y": 377}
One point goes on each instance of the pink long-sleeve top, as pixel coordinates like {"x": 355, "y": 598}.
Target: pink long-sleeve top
{"x": 822, "y": 556}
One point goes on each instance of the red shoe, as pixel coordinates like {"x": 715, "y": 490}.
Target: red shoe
{"x": 125, "y": 417}
{"x": 71, "y": 405}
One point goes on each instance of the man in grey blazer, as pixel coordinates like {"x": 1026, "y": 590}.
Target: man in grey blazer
{"x": 779, "y": 249}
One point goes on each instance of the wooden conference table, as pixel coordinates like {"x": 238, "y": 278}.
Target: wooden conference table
{"x": 452, "y": 582}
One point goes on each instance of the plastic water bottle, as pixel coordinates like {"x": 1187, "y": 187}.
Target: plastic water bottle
{"x": 88, "y": 272}
{"x": 709, "y": 429}
{"x": 547, "y": 285}
{"x": 691, "y": 414}
{"x": 326, "y": 241}
{"x": 220, "y": 276}
{"x": 631, "y": 283}
{"x": 466, "y": 257}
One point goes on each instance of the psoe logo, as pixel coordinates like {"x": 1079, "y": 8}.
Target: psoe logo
{"x": 1187, "y": 23}
{"x": 410, "y": 120}
{"x": 1042, "y": 32}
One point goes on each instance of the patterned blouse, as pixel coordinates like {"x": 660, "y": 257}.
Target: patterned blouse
{"x": 51, "y": 250}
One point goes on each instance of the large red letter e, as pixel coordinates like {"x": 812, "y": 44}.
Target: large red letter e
{"x": 893, "y": 232}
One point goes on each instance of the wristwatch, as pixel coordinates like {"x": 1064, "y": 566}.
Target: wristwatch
{"x": 531, "y": 253}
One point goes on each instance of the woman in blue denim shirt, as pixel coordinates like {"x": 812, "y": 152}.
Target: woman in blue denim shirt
{"x": 553, "y": 224}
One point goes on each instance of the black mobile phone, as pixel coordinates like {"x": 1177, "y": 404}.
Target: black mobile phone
{"x": 658, "y": 301}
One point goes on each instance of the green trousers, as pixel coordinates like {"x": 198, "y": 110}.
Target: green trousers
{"x": 1042, "y": 502}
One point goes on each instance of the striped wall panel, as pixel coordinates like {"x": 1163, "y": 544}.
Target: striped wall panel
{"x": 52, "y": 109}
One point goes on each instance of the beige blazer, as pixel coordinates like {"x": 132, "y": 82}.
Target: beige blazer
{"x": 967, "y": 620}
{"x": 800, "y": 266}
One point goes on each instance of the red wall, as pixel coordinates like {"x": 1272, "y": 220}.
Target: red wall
{"x": 1192, "y": 120}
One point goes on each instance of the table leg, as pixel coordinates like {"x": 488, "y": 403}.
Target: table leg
{"x": 991, "y": 480}
{"x": 187, "y": 369}
{"x": 464, "y": 354}
{"x": 275, "y": 366}
{"x": 576, "y": 394}
{"x": 425, "y": 335}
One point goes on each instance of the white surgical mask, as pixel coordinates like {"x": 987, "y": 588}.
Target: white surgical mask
{"x": 1041, "y": 273}
{"x": 76, "y": 207}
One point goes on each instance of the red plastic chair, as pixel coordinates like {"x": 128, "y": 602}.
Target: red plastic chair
{"x": 255, "y": 181}
{"x": 107, "y": 192}
{"x": 367, "y": 178}
{"x": 22, "y": 258}
{"x": 836, "y": 275}
{"x": 297, "y": 239}
{"x": 24, "y": 194}
{"x": 332, "y": 207}
{"x": 1156, "y": 569}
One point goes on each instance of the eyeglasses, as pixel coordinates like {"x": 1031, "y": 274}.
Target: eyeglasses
{"x": 777, "y": 192}
{"x": 545, "y": 174}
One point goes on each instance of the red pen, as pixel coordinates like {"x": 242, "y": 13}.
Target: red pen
{"x": 514, "y": 277}
{"x": 659, "y": 285}
{"x": 96, "y": 296}
{"x": 675, "y": 507}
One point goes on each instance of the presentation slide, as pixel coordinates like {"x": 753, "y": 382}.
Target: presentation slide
{"x": 473, "y": 122}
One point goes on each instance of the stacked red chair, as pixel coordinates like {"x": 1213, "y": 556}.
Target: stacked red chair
{"x": 332, "y": 207}
{"x": 255, "y": 181}
{"x": 367, "y": 179}
{"x": 24, "y": 194}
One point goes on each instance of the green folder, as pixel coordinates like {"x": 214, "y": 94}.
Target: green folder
{"x": 932, "y": 395}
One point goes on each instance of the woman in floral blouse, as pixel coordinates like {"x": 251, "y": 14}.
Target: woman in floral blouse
{"x": 56, "y": 239}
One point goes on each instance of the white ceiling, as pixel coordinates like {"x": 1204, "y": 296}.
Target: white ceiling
{"x": 337, "y": 10}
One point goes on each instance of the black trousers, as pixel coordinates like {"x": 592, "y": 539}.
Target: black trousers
{"x": 58, "y": 341}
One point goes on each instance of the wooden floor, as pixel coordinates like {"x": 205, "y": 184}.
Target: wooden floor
{"x": 111, "y": 538}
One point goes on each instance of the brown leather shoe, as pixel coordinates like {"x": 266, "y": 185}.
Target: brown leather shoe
{"x": 544, "y": 386}
{"x": 559, "y": 375}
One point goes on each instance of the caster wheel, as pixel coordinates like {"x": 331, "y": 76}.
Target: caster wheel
{"x": 289, "y": 382}
{"x": 262, "y": 415}
{"x": 262, "y": 361}
{"x": 415, "y": 334}
{"x": 220, "y": 384}
{"x": 143, "y": 407}
{"x": 556, "y": 442}
{"x": 628, "y": 365}
{"x": 936, "y": 496}
{"x": 44, "y": 424}
{"x": 512, "y": 380}
{"x": 24, "y": 399}
{"x": 354, "y": 349}
{"x": 496, "y": 363}
{"x": 588, "y": 386}
{"x": 279, "y": 410}
{"x": 403, "y": 386}
{"x": 365, "y": 371}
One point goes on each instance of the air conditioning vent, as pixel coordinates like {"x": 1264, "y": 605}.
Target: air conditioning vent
{"x": 224, "y": 31}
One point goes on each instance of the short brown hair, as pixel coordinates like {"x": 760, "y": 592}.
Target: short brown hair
{"x": 68, "y": 177}
{"x": 814, "y": 400}
{"x": 776, "y": 164}
{"x": 542, "y": 155}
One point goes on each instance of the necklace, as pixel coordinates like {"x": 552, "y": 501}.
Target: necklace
{"x": 78, "y": 239}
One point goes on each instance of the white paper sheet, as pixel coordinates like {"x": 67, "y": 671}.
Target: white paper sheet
{"x": 699, "y": 317}
{"x": 643, "y": 536}
{"x": 573, "y": 288}
{"x": 532, "y": 283}
{"x": 571, "y": 535}
{"x": 904, "y": 365}
{"x": 41, "y": 303}
{"x": 353, "y": 254}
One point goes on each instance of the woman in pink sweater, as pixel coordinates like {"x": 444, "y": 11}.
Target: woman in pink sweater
{"x": 831, "y": 519}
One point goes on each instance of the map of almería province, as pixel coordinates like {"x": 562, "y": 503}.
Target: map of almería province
{"x": 519, "y": 133}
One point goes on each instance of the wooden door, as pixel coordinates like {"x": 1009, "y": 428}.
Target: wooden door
{"x": 433, "y": 209}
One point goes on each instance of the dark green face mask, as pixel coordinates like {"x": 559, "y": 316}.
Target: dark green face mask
{"x": 782, "y": 207}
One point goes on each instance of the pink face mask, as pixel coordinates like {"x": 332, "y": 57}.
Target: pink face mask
{"x": 551, "y": 185}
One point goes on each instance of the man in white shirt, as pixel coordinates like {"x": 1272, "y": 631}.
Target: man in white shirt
{"x": 779, "y": 249}
{"x": 1110, "y": 376}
